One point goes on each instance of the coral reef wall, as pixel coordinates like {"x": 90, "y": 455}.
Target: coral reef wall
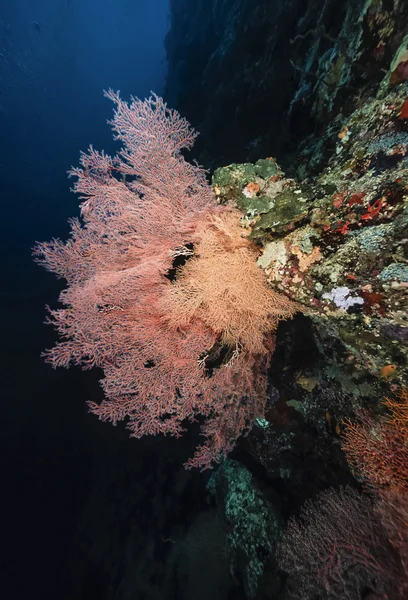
{"x": 335, "y": 243}
{"x": 303, "y": 113}
{"x": 258, "y": 77}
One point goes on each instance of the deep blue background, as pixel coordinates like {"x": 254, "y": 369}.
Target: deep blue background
{"x": 56, "y": 57}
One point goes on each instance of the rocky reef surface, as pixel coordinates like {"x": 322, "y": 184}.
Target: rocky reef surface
{"x": 311, "y": 126}
{"x": 333, "y": 239}
{"x": 257, "y": 77}
{"x": 336, "y": 243}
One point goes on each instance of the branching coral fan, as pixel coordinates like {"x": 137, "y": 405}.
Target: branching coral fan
{"x": 379, "y": 449}
{"x": 392, "y": 509}
{"x": 338, "y": 549}
{"x": 174, "y": 342}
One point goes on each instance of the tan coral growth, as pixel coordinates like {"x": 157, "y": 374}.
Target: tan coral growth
{"x": 223, "y": 287}
{"x": 252, "y": 188}
{"x": 306, "y": 260}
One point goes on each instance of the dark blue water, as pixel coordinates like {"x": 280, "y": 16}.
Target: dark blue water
{"x": 56, "y": 57}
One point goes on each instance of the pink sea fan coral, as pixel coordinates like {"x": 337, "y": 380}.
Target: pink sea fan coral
{"x": 174, "y": 343}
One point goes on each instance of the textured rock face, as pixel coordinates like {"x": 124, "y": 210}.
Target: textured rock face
{"x": 336, "y": 243}
{"x": 258, "y": 77}
{"x": 322, "y": 87}
{"x": 329, "y": 77}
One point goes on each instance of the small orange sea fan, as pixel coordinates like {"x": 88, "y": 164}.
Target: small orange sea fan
{"x": 378, "y": 450}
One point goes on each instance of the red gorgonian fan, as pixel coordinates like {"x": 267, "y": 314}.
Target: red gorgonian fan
{"x": 378, "y": 449}
{"x": 163, "y": 292}
{"x": 337, "y": 548}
